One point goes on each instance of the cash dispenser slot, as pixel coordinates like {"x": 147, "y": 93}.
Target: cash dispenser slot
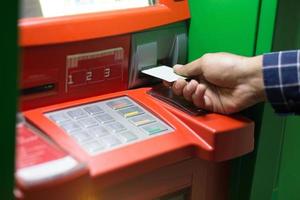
{"x": 166, "y": 45}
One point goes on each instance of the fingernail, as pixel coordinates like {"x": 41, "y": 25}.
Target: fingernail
{"x": 176, "y": 67}
{"x": 176, "y": 85}
{"x": 197, "y": 92}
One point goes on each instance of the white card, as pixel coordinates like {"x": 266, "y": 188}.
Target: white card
{"x": 163, "y": 72}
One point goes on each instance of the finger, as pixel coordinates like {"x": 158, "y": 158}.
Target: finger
{"x": 167, "y": 84}
{"x": 189, "y": 89}
{"x": 178, "y": 86}
{"x": 191, "y": 69}
{"x": 208, "y": 103}
{"x": 201, "y": 99}
{"x": 198, "y": 96}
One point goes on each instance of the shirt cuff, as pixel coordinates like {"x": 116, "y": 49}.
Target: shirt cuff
{"x": 281, "y": 73}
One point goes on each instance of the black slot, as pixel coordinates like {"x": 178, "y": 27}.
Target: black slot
{"x": 166, "y": 94}
{"x": 38, "y": 89}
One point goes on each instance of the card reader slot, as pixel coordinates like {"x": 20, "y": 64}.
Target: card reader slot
{"x": 165, "y": 94}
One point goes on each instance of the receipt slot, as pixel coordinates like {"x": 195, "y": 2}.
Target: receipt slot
{"x": 91, "y": 125}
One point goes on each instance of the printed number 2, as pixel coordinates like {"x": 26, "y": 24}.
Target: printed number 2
{"x": 89, "y": 76}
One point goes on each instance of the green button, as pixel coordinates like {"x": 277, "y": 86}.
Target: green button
{"x": 154, "y": 128}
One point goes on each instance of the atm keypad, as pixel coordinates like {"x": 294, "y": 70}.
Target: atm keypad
{"x": 88, "y": 122}
{"x": 59, "y": 118}
{"x": 111, "y": 140}
{"x": 81, "y": 137}
{"x": 131, "y": 111}
{"x": 93, "y": 147}
{"x": 119, "y": 103}
{"x": 142, "y": 120}
{"x": 70, "y": 126}
{"x": 93, "y": 110}
{"x": 128, "y": 136}
{"x": 115, "y": 127}
{"x": 154, "y": 128}
{"x": 109, "y": 124}
{"x": 77, "y": 113}
{"x": 105, "y": 118}
{"x": 98, "y": 131}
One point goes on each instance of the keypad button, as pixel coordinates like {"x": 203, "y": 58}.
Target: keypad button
{"x": 142, "y": 120}
{"x": 59, "y": 117}
{"x": 119, "y": 103}
{"x": 131, "y": 111}
{"x": 127, "y": 136}
{"x": 154, "y": 128}
{"x": 93, "y": 110}
{"x": 97, "y": 131}
{"x": 94, "y": 147}
{"x": 81, "y": 137}
{"x": 111, "y": 140}
{"x": 77, "y": 113}
{"x": 105, "y": 118}
{"x": 88, "y": 122}
{"x": 70, "y": 126}
{"x": 115, "y": 127}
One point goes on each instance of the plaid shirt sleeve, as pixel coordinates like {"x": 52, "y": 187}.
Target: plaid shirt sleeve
{"x": 281, "y": 72}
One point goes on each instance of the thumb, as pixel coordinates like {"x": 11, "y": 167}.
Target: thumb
{"x": 190, "y": 69}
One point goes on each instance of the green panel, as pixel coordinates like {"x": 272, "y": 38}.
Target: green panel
{"x": 270, "y": 137}
{"x": 289, "y": 174}
{"x": 222, "y": 25}
{"x": 266, "y": 26}
{"x": 243, "y": 27}
{"x": 287, "y": 33}
{"x": 287, "y": 36}
{"x": 8, "y": 74}
{"x": 268, "y": 149}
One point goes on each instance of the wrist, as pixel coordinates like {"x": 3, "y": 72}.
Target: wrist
{"x": 255, "y": 76}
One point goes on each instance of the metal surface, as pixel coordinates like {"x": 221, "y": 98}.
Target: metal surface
{"x": 161, "y": 46}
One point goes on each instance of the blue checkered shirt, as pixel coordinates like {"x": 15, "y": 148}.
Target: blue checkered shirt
{"x": 281, "y": 71}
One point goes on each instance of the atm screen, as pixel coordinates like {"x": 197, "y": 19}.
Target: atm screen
{"x": 55, "y": 8}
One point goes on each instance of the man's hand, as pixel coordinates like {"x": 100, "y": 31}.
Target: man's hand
{"x": 222, "y": 82}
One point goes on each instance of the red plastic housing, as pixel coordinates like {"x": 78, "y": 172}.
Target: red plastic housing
{"x": 41, "y": 31}
{"x": 210, "y": 137}
{"x": 73, "y": 70}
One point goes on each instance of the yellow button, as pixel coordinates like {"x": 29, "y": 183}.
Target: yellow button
{"x": 130, "y": 114}
{"x": 142, "y": 122}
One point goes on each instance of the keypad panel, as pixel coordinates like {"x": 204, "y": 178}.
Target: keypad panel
{"x": 105, "y": 125}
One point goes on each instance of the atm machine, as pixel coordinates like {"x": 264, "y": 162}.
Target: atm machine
{"x": 91, "y": 126}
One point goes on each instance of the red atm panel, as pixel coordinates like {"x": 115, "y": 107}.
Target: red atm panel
{"x": 210, "y": 137}
{"x": 57, "y": 73}
{"x": 102, "y": 24}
